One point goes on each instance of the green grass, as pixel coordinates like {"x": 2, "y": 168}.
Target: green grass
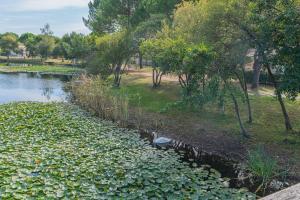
{"x": 57, "y": 151}
{"x": 41, "y": 68}
{"x": 154, "y": 100}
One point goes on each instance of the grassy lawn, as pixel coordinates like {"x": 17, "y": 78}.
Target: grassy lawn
{"x": 56, "y": 151}
{"x": 42, "y": 68}
{"x": 268, "y": 126}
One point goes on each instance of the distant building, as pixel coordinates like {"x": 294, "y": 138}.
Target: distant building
{"x": 21, "y": 52}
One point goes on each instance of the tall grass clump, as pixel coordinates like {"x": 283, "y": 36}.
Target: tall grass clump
{"x": 96, "y": 95}
{"x": 262, "y": 166}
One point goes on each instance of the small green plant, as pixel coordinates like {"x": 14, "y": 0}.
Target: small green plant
{"x": 262, "y": 166}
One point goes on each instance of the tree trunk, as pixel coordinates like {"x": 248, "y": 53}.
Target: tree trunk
{"x": 287, "y": 121}
{"x": 140, "y": 60}
{"x": 156, "y": 77}
{"x": 237, "y": 111}
{"x": 256, "y": 71}
{"x": 247, "y": 97}
{"x": 117, "y": 74}
{"x": 244, "y": 86}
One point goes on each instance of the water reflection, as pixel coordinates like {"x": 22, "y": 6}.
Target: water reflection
{"x": 48, "y": 92}
{"x": 32, "y": 87}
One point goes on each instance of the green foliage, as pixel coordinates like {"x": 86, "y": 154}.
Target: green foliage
{"x": 114, "y": 48}
{"x": 262, "y": 166}
{"x": 284, "y": 36}
{"x": 159, "y": 51}
{"x": 108, "y": 16}
{"x": 75, "y": 46}
{"x": 75, "y": 156}
{"x": 46, "y": 46}
{"x": 160, "y": 6}
{"x": 149, "y": 28}
{"x": 30, "y": 41}
{"x": 95, "y": 66}
{"x": 112, "y": 54}
{"x": 8, "y": 43}
{"x": 189, "y": 62}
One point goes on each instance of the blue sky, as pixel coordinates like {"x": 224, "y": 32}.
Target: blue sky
{"x": 64, "y": 16}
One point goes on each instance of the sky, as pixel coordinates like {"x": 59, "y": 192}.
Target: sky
{"x": 64, "y": 16}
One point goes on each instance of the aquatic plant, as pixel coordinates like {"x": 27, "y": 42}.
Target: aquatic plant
{"x": 57, "y": 151}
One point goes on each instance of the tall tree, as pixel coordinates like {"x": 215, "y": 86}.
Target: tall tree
{"x": 273, "y": 28}
{"x": 107, "y": 16}
{"x": 146, "y": 30}
{"x": 206, "y": 21}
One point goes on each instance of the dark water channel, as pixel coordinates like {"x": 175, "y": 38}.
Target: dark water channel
{"x": 15, "y": 87}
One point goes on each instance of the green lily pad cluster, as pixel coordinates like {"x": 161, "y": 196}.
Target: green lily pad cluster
{"x": 57, "y": 151}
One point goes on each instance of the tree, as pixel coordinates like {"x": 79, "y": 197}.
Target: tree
{"x": 206, "y": 22}
{"x": 160, "y": 6}
{"x": 156, "y": 51}
{"x": 30, "y": 41}
{"x": 61, "y": 50}
{"x": 108, "y": 16}
{"x": 146, "y": 30}
{"x": 194, "y": 67}
{"x": 9, "y": 43}
{"x": 113, "y": 52}
{"x": 273, "y": 28}
{"x": 46, "y": 46}
{"x": 257, "y": 66}
{"x": 75, "y": 46}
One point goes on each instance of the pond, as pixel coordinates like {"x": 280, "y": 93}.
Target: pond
{"x": 37, "y": 87}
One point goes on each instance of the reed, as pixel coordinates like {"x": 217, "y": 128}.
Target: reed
{"x": 97, "y": 96}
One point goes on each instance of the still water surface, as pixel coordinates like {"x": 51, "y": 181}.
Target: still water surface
{"x": 32, "y": 87}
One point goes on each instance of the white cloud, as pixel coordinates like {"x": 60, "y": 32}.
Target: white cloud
{"x": 42, "y": 5}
